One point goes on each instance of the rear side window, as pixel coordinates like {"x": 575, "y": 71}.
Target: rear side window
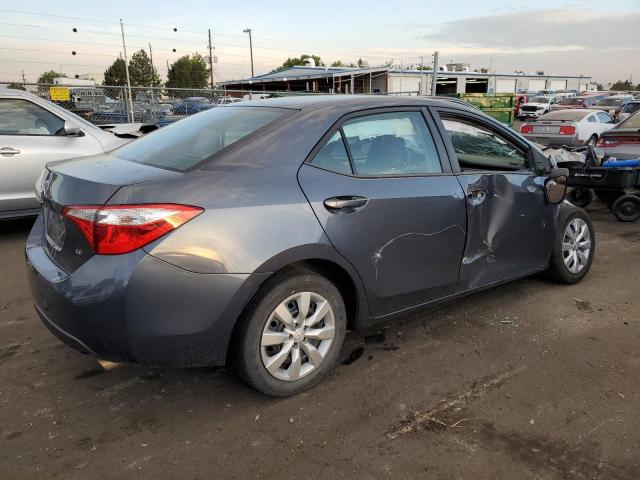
{"x": 333, "y": 156}
{"x": 397, "y": 143}
{"x": 21, "y": 117}
{"x": 186, "y": 143}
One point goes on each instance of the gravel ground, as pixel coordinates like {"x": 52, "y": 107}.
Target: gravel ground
{"x": 527, "y": 380}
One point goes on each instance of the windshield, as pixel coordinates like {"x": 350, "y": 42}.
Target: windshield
{"x": 539, "y": 100}
{"x": 186, "y": 143}
{"x": 609, "y": 102}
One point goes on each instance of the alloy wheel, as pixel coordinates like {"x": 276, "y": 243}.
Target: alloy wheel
{"x": 576, "y": 245}
{"x": 297, "y": 336}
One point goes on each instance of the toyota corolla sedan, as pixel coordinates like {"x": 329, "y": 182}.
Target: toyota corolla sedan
{"x": 256, "y": 234}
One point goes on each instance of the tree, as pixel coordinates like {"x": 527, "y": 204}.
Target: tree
{"x": 188, "y": 72}
{"x": 141, "y": 71}
{"x": 622, "y": 85}
{"x": 47, "y": 77}
{"x": 16, "y": 86}
{"x": 298, "y": 61}
{"x": 340, "y": 63}
{"x": 424, "y": 67}
{"x": 484, "y": 70}
{"x": 116, "y": 74}
{"x": 540, "y": 72}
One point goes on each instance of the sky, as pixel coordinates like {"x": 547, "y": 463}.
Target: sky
{"x": 588, "y": 38}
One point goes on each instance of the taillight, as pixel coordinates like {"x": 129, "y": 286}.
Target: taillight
{"x": 567, "y": 130}
{"x": 117, "y": 229}
{"x": 616, "y": 141}
{"x": 526, "y": 129}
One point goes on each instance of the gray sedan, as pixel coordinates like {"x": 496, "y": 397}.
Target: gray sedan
{"x": 256, "y": 234}
{"x": 34, "y": 131}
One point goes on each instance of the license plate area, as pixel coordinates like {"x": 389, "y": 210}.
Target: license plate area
{"x": 54, "y": 229}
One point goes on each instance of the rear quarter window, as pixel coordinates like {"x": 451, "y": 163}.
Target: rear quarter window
{"x": 188, "y": 142}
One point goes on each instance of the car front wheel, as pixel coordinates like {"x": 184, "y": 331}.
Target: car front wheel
{"x": 291, "y": 334}
{"x": 574, "y": 247}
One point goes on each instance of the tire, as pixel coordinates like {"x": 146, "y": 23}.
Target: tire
{"x": 562, "y": 268}
{"x": 626, "y": 208}
{"x": 265, "y": 333}
{"x": 580, "y": 197}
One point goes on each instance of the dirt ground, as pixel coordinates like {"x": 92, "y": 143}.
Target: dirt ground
{"x": 525, "y": 381}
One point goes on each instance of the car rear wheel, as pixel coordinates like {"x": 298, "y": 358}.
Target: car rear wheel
{"x": 627, "y": 208}
{"x": 291, "y": 334}
{"x": 574, "y": 247}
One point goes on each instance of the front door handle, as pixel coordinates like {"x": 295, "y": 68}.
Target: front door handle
{"x": 8, "y": 151}
{"x": 345, "y": 204}
{"x": 476, "y": 197}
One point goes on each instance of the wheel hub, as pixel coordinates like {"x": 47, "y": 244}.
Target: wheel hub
{"x": 297, "y": 336}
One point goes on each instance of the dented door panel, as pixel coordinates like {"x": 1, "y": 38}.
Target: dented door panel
{"x": 406, "y": 242}
{"x": 510, "y": 226}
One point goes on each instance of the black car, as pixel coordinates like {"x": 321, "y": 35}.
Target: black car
{"x": 257, "y": 234}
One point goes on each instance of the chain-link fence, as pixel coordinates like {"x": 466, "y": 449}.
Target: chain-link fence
{"x": 103, "y": 104}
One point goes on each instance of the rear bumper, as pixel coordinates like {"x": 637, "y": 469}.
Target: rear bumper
{"x": 137, "y": 308}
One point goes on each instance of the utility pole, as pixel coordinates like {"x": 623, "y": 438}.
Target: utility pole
{"x": 434, "y": 78}
{"x": 23, "y": 79}
{"x": 151, "y": 56}
{"x": 248, "y": 30}
{"x": 211, "y": 59}
{"x": 126, "y": 66}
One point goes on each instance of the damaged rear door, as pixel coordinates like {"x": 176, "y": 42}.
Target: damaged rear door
{"x": 383, "y": 190}
{"x": 510, "y": 227}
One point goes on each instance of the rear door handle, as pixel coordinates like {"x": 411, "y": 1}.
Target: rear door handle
{"x": 345, "y": 204}
{"x": 8, "y": 151}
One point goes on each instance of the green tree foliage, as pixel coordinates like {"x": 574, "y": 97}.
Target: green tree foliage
{"x": 301, "y": 60}
{"x": 116, "y": 74}
{"x": 622, "y": 85}
{"x": 16, "y": 86}
{"x": 188, "y": 72}
{"x": 47, "y": 77}
{"x": 340, "y": 63}
{"x": 141, "y": 71}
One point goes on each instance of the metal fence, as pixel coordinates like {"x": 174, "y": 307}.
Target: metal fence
{"x": 104, "y": 104}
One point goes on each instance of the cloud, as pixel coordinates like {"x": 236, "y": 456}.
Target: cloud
{"x": 542, "y": 30}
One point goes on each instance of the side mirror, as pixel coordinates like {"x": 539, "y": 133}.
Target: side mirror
{"x": 71, "y": 130}
{"x": 555, "y": 186}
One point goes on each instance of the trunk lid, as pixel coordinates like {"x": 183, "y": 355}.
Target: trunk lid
{"x": 549, "y": 127}
{"x": 85, "y": 181}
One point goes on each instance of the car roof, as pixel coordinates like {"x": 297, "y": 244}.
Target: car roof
{"x": 349, "y": 102}
{"x": 10, "y": 92}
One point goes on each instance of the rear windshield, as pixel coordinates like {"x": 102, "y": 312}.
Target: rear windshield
{"x": 609, "y": 102}
{"x": 571, "y": 101}
{"x": 565, "y": 115}
{"x": 188, "y": 142}
{"x": 632, "y": 122}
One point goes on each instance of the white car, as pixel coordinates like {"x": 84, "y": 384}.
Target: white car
{"x": 538, "y": 106}
{"x": 568, "y": 127}
{"x": 34, "y": 132}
